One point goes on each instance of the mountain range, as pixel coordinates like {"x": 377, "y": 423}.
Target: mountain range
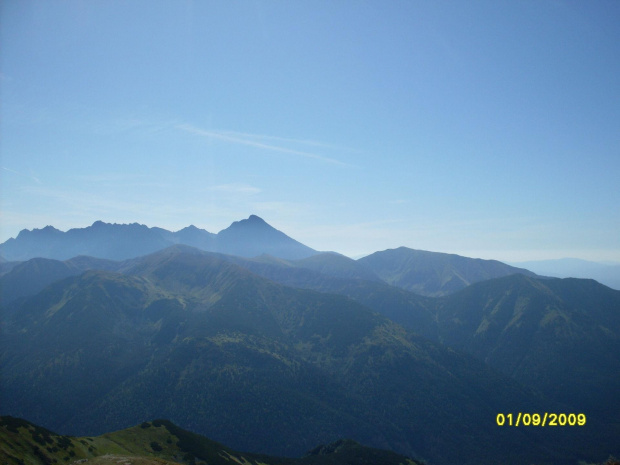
{"x": 246, "y": 238}
{"x": 422, "y": 272}
{"x": 254, "y": 364}
{"x": 276, "y": 355}
{"x": 558, "y": 336}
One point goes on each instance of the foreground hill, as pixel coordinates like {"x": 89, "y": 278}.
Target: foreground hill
{"x": 260, "y": 366}
{"x": 248, "y": 238}
{"x": 432, "y": 273}
{"x": 161, "y": 442}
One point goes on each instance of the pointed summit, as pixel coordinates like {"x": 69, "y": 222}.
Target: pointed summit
{"x": 249, "y": 238}
{"x": 195, "y": 237}
{"x": 256, "y": 219}
{"x": 251, "y": 221}
{"x": 254, "y": 236}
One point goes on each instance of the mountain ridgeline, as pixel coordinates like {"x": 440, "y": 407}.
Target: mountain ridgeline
{"x": 434, "y": 274}
{"x": 161, "y": 442}
{"x": 558, "y": 336}
{"x": 605, "y": 273}
{"x": 247, "y": 238}
{"x": 276, "y": 354}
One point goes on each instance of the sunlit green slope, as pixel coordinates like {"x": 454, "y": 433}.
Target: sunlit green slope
{"x": 160, "y": 442}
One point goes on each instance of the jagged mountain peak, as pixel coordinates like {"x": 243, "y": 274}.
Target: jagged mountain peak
{"x": 191, "y": 227}
{"x": 255, "y": 218}
{"x": 249, "y": 238}
{"x": 102, "y": 224}
{"x": 252, "y": 220}
{"x": 47, "y": 230}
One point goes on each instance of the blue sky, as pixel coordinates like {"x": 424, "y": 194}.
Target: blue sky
{"x": 485, "y": 128}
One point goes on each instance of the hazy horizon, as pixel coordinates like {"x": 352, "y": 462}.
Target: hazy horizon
{"x": 486, "y": 129}
{"x": 358, "y": 256}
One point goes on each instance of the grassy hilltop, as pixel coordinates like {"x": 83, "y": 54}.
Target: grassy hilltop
{"x": 161, "y": 443}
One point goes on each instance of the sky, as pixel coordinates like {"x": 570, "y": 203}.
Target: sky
{"x": 488, "y": 129}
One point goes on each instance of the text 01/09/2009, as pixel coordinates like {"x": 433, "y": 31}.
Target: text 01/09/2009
{"x": 537, "y": 419}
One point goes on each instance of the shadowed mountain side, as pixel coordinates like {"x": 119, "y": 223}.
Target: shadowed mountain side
{"x": 250, "y": 237}
{"x": 336, "y": 266}
{"x": 432, "y": 273}
{"x": 558, "y": 336}
{"x": 161, "y": 442}
{"x": 258, "y": 366}
{"x": 27, "y": 278}
{"x": 30, "y": 277}
{"x": 6, "y": 266}
{"x": 415, "y": 312}
{"x": 561, "y": 336}
{"x": 531, "y": 353}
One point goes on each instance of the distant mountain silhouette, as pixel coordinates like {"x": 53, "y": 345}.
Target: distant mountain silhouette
{"x": 247, "y": 238}
{"x": 195, "y": 237}
{"x": 605, "y": 273}
{"x": 433, "y": 273}
{"x": 425, "y": 273}
{"x": 253, "y": 237}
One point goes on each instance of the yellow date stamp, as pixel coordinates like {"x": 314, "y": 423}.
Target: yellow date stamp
{"x": 539, "y": 419}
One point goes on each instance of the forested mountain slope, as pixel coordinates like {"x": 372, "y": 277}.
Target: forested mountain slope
{"x": 257, "y": 365}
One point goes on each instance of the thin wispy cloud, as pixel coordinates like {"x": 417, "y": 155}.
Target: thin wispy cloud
{"x": 236, "y": 188}
{"x": 287, "y": 140}
{"x": 254, "y": 140}
{"x": 33, "y": 178}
